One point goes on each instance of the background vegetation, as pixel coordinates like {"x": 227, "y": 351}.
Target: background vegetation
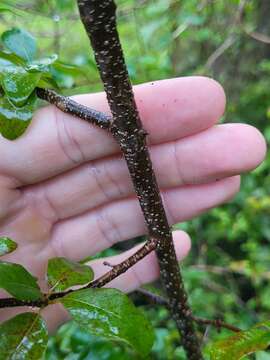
{"x": 227, "y": 272}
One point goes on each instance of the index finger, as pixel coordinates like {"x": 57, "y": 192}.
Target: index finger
{"x": 56, "y": 142}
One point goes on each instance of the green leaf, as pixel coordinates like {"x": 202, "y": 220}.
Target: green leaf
{"x": 47, "y": 82}
{"x": 42, "y": 65}
{"x": 6, "y": 65}
{"x": 21, "y": 43}
{"x": 6, "y": 8}
{"x": 19, "y": 84}
{"x": 110, "y": 313}
{"x": 243, "y": 343}
{"x": 7, "y": 246}
{"x": 15, "y": 120}
{"x": 68, "y": 68}
{"x": 17, "y": 281}
{"x": 24, "y": 337}
{"x": 63, "y": 273}
{"x": 66, "y": 74}
{"x": 11, "y": 58}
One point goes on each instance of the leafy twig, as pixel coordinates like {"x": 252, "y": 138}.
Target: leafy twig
{"x": 116, "y": 270}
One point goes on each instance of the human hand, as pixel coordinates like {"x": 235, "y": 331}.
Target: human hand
{"x": 65, "y": 189}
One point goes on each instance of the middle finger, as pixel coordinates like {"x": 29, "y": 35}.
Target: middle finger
{"x": 216, "y": 153}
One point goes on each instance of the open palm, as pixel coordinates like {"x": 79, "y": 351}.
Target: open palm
{"x": 65, "y": 189}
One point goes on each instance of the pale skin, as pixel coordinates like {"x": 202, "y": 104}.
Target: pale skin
{"x": 65, "y": 189}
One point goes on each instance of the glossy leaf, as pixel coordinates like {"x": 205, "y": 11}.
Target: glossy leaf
{"x": 63, "y": 273}
{"x": 17, "y": 281}
{"x": 6, "y": 65}
{"x": 23, "y": 337}
{"x": 68, "y": 68}
{"x": 41, "y": 65}
{"x": 19, "y": 84}
{"x": 110, "y": 313}
{"x": 9, "y": 6}
{"x": 243, "y": 343}
{"x": 15, "y": 120}
{"x": 21, "y": 43}
{"x": 11, "y": 58}
{"x": 7, "y": 245}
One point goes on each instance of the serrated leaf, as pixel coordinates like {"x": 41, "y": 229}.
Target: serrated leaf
{"x": 19, "y": 84}
{"x": 7, "y": 245}
{"x": 17, "y": 281}
{"x": 15, "y": 120}
{"x": 63, "y": 273}
{"x": 21, "y": 43}
{"x": 243, "y": 343}
{"x": 111, "y": 314}
{"x": 23, "y": 337}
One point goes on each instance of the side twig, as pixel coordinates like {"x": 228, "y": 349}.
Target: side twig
{"x": 71, "y": 107}
{"x": 160, "y": 300}
{"x": 116, "y": 271}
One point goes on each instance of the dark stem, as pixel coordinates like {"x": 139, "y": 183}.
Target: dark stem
{"x": 116, "y": 271}
{"x": 99, "y": 19}
{"x": 119, "y": 269}
{"x": 71, "y": 107}
{"x": 160, "y": 300}
{"x": 217, "y": 323}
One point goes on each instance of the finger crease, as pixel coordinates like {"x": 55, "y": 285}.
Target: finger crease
{"x": 54, "y": 216}
{"x": 99, "y": 183}
{"x": 178, "y": 164}
{"x": 66, "y": 141}
{"x": 106, "y": 228}
{"x": 116, "y": 185}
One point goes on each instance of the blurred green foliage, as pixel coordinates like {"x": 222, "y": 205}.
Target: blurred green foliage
{"x": 227, "y": 272}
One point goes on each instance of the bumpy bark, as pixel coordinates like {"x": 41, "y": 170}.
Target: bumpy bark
{"x": 70, "y": 106}
{"x": 99, "y": 19}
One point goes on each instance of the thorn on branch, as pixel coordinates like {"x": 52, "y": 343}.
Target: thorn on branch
{"x": 106, "y": 263}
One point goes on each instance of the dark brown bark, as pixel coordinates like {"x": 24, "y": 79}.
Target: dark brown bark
{"x": 70, "y": 106}
{"x": 99, "y": 19}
